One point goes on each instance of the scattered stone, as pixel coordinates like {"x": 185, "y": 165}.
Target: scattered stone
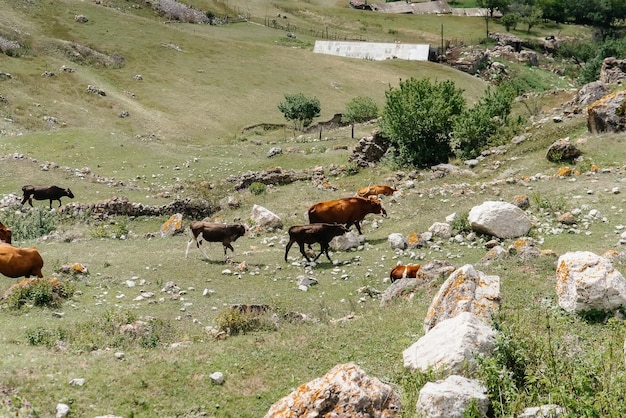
{"x": 217, "y": 378}
{"x": 499, "y": 219}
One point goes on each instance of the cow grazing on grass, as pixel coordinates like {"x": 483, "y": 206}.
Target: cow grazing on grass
{"x": 45, "y": 193}
{"x": 5, "y": 234}
{"x": 212, "y": 232}
{"x": 375, "y": 191}
{"x": 403, "y": 272}
{"x": 17, "y": 262}
{"x": 349, "y": 211}
{"x": 313, "y": 233}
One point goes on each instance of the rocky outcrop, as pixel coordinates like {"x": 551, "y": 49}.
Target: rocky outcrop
{"x": 607, "y": 114}
{"x": 195, "y": 209}
{"x": 466, "y": 290}
{"x": 369, "y": 150}
{"x": 345, "y": 391}
{"x": 586, "y": 282}
{"x": 451, "y": 346}
{"x": 613, "y": 71}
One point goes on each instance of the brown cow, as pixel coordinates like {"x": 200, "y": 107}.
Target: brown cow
{"x": 5, "y": 234}
{"x": 402, "y": 272}
{"x": 212, "y": 232}
{"x": 375, "y": 191}
{"x": 17, "y": 262}
{"x": 45, "y": 193}
{"x": 349, "y": 211}
{"x": 312, "y": 233}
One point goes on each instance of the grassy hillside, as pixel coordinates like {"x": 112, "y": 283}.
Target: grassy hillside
{"x": 201, "y": 85}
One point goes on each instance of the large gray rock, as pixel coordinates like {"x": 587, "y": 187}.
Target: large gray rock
{"x": 499, "y": 219}
{"x": 586, "y": 281}
{"x": 607, "y": 114}
{"x": 466, "y": 290}
{"x": 265, "y": 218}
{"x": 346, "y": 241}
{"x": 543, "y": 411}
{"x": 451, "y": 397}
{"x": 562, "y": 150}
{"x": 613, "y": 71}
{"x": 451, "y": 345}
{"x": 345, "y": 391}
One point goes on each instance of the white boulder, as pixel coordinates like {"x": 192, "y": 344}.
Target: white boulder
{"x": 265, "y": 218}
{"x": 499, "y": 219}
{"x": 586, "y": 281}
{"x": 451, "y": 397}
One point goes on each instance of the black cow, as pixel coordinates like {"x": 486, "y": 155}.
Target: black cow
{"x": 213, "y": 232}
{"x": 45, "y": 193}
{"x": 312, "y": 233}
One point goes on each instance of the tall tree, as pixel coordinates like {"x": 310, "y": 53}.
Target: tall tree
{"x": 418, "y": 120}
{"x": 300, "y": 109}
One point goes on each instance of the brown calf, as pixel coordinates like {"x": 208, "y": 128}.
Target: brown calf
{"x": 402, "y": 272}
{"x": 313, "y": 233}
{"x": 212, "y": 232}
{"x": 375, "y": 191}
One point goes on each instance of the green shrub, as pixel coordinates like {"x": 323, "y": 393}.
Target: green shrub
{"x": 461, "y": 223}
{"x": 31, "y": 224}
{"x": 257, "y": 188}
{"x": 43, "y": 292}
{"x": 418, "y": 120}
{"x": 233, "y": 321}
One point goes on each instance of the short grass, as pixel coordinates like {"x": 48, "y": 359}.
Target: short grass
{"x": 186, "y": 126}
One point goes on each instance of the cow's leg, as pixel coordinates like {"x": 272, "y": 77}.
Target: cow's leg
{"x": 51, "y": 204}
{"x": 325, "y": 251}
{"x": 227, "y": 245}
{"x": 59, "y": 202}
{"x": 289, "y": 244}
{"x": 191, "y": 240}
{"x": 24, "y": 199}
{"x": 199, "y": 245}
{"x": 358, "y": 227}
{"x": 301, "y": 244}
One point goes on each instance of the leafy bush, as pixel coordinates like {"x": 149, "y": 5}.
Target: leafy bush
{"x": 461, "y": 223}
{"x": 257, "y": 188}
{"x": 418, "y": 120}
{"x": 475, "y": 126}
{"x": 44, "y": 292}
{"x": 233, "y": 321}
{"x": 300, "y": 109}
{"x": 32, "y": 224}
{"x": 360, "y": 109}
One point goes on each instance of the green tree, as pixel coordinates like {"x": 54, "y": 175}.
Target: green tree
{"x": 510, "y": 21}
{"x": 418, "y": 120}
{"x": 358, "y": 110}
{"x": 475, "y": 126}
{"x": 300, "y": 109}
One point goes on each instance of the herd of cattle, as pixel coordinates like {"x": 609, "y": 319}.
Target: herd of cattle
{"x": 327, "y": 219}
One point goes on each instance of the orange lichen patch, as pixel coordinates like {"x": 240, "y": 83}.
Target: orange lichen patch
{"x": 594, "y": 168}
{"x": 564, "y": 172}
{"x": 413, "y": 240}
